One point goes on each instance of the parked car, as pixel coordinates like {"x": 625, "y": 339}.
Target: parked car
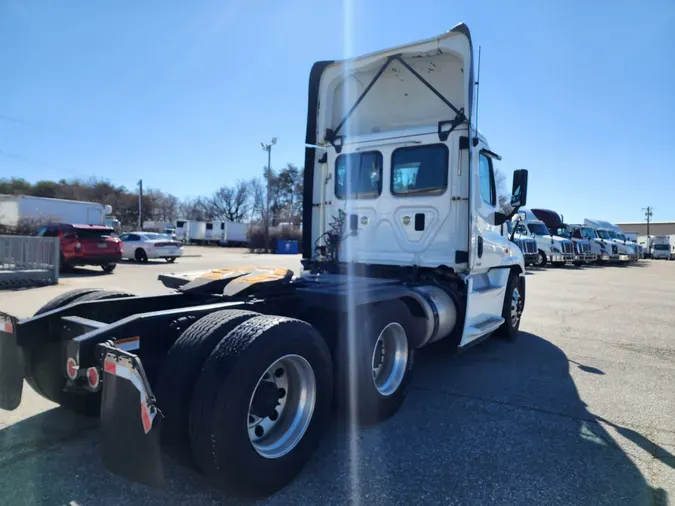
{"x": 141, "y": 246}
{"x": 85, "y": 245}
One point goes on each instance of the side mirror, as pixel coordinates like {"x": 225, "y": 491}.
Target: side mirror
{"x": 519, "y": 193}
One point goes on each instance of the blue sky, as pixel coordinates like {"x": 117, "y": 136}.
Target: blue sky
{"x": 181, "y": 93}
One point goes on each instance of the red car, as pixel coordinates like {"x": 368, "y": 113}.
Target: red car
{"x": 85, "y": 245}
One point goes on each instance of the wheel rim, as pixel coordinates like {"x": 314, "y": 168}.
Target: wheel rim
{"x": 390, "y": 359}
{"x": 281, "y": 406}
{"x": 541, "y": 259}
{"x": 516, "y": 307}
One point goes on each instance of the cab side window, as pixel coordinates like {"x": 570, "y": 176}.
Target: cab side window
{"x": 486, "y": 175}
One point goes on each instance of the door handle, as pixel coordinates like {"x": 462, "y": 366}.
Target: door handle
{"x": 480, "y": 246}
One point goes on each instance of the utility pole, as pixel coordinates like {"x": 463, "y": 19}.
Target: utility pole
{"x": 140, "y": 204}
{"x": 268, "y": 148}
{"x": 648, "y": 214}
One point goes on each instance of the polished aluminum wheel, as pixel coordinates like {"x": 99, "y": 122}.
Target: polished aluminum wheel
{"x": 281, "y": 407}
{"x": 516, "y": 307}
{"x": 390, "y": 359}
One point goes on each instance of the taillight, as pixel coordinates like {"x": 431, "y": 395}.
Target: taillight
{"x": 119, "y": 246}
{"x": 93, "y": 377}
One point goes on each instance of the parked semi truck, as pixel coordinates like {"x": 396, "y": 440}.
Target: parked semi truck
{"x": 238, "y": 368}
{"x": 607, "y": 232}
{"x": 191, "y": 231}
{"x": 663, "y": 247}
{"x": 552, "y": 249}
{"x": 603, "y": 251}
{"x": 17, "y": 209}
{"x": 583, "y": 251}
{"x": 527, "y": 245}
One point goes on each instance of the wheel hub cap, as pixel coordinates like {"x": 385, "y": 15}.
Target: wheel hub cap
{"x": 516, "y": 307}
{"x": 390, "y": 359}
{"x": 281, "y": 406}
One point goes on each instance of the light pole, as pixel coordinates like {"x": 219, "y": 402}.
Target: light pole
{"x": 268, "y": 148}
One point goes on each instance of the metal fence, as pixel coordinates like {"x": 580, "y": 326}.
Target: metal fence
{"x": 26, "y": 261}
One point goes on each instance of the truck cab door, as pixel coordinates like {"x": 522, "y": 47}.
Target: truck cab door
{"x": 486, "y": 285}
{"x": 489, "y": 247}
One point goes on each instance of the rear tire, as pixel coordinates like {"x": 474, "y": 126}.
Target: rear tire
{"x": 512, "y": 309}
{"x": 373, "y": 367}
{"x": 141, "y": 256}
{"x": 258, "y": 455}
{"x": 181, "y": 369}
{"x": 108, "y": 268}
{"x": 45, "y": 366}
{"x": 171, "y": 260}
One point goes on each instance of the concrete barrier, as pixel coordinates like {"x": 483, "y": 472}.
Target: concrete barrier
{"x": 28, "y": 261}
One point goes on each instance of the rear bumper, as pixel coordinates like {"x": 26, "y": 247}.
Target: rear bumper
{"x": 166, "y": 253}
{"x": 97, "y": 260}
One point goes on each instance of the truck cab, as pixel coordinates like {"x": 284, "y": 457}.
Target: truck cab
{"x": 609, "y": 233}
{"x": 552, "y": 249}
{"x": 583, "y": 253}
{"x": 526, "y": 244}
{"x": 663, "y": 247}
{"x": 603, "y": 252}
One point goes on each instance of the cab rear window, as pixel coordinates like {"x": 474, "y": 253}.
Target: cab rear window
{"x": 358, "y": 175}
{"x": 419, "y": 170}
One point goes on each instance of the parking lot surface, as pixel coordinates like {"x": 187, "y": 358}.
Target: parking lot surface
{"x": 579, "y": 410}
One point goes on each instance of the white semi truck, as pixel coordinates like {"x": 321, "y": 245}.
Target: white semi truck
{"x": 583, "y": 250}
{"x": 663, "y": 247}
{"x": 608, "y": 233}
{"x": 241, "y": 366}
{"x": 226, "y": 233}
{"x": 604, "y": 252}
{"x": 552, "y": 249}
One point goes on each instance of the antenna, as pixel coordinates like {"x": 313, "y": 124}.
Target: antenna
{"x": 477, "y": 83}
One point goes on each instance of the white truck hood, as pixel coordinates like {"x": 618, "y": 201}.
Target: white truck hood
{"x": 395, "y": 97}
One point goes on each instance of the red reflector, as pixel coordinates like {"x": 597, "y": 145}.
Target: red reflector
{"x": 145, "y": 418}
{"x": 110, "y": 367}
{"x": 92, "y": 377}
{"x": 71, "y": 368}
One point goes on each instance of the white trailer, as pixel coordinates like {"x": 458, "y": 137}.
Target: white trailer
{"x": 15, "y": 209}
{"x": 226, "y": 233}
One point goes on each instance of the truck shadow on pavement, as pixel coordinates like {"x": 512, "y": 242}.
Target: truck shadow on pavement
{"x": 499, "y": 424}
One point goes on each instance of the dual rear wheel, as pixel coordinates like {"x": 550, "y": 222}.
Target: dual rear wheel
{"x": 246, "y": 397}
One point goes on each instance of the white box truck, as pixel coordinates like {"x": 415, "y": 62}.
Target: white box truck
{"x": 15, "y": 209}
{"x": 663, "y": 247}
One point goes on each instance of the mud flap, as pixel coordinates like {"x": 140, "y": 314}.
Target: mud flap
{"x": 11, "y": 364}
{"x": 130, "y": 421}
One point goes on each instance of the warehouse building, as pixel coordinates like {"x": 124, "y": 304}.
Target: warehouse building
{"x": 655, "y": 227}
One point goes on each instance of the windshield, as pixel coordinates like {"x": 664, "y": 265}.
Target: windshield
{"x": 588, "y": 233}
{"x": 154, "y": 237}
{"x": 604, "y": 234}
{"x": 612, "y": 234}
{"x": 563, "y": 232}
{"x": 662, "y": 247}
{"x": 538, "y": 229}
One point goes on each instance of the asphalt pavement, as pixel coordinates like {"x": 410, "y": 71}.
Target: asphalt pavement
{"x": 579, "y": 410}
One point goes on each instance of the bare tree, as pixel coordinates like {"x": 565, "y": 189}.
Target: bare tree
{"x": 258, "y": 196}
{"x": 231, "y": 203}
